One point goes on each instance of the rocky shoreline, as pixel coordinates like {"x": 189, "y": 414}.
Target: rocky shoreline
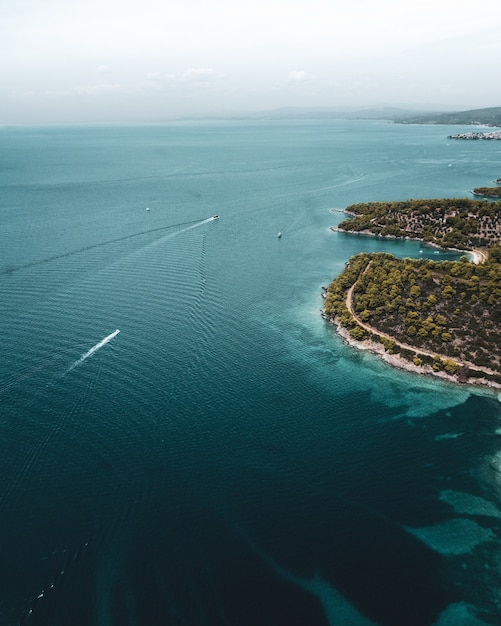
{"x": 395, "y": 360}
{"x": 377, "y": 343}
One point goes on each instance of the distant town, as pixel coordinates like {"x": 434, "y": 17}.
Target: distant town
{"x": 489, "y": 135}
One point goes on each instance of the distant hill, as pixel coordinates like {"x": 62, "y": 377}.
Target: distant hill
{"x": 322, "y": 113}
{"x": 351, "y": 113}
{"x": 490, "y": 116}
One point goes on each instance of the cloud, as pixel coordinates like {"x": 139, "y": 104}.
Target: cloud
{"x": 198, "y": 75}
{"x": 158, "y": 80}
{"x": 100, "y": 89}
{"x": 38, "y": 94}
{"x": 195, "y": 76}
{"x": 103, "y": 69}
{"x": 297, "y": 76}
{"x": 157, "y": 76}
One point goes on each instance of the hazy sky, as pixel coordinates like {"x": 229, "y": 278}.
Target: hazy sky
{"x": 148, "y": 60}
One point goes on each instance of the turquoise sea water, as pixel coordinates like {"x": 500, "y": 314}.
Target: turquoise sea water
{"x": 225, "y": 459}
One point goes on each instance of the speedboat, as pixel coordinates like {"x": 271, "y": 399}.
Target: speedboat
{"x": 279, "y": 234}
{"x": 215, "y": 217}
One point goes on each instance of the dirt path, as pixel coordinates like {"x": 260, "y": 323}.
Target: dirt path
{"x": 405, "y": 346}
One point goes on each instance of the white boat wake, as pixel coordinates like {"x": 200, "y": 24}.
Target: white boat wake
{"x": 95, "y": 348}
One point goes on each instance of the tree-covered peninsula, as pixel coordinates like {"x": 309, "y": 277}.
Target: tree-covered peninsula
{"x": 443, "y": 316}
{"x": 460, "y": 223}
{"x": 440, "y": 317}
{"x": 488, "y": 192}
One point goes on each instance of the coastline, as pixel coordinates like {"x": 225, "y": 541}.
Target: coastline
{"x": 477, "y": 256}
{"x": 395, "y": 360}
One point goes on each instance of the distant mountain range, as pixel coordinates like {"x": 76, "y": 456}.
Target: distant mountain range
{"x": 317, "y": 113}
{"x": 352, "y": 113}
{"x": 490, "y": 117}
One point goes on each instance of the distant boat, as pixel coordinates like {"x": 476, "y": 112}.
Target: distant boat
{"x": 147, "y": 208}
{"x": 215, "y": 217}
{"x": 279, "y": 234}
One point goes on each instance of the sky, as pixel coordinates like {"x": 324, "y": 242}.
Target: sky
{"x": 69, "y": 61}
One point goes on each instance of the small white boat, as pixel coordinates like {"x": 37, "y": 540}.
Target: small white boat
{"x": 279, "y": 234}
{"x": 215, "y": 217}
{"x": 147, "y": 208}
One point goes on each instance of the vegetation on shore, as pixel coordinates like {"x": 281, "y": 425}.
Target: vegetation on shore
{"x": 460, "y": 223}
{"x": 487, "y": 116}
{"x": 488, "y": 192}
{"x": 441, "y": 316}
{"x": 446, "y": 315}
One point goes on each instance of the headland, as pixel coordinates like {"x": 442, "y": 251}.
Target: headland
{"x": 439, "y": 318}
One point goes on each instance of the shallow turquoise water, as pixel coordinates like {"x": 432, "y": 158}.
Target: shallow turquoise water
{"x": 225, "y": 458}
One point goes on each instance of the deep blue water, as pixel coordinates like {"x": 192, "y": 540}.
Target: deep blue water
{"x": 225, "y": 459}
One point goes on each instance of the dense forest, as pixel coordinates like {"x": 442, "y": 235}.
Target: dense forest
{"x": 447, "y": 314}
{"x": 460, "y": 223}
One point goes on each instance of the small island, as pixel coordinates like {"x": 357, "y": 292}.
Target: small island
{"x": 442, "y": 318}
